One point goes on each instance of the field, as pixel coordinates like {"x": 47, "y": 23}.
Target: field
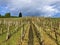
{"x": 30, "y": 31}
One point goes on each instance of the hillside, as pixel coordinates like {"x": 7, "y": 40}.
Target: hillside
{"x": 30, "y": 31}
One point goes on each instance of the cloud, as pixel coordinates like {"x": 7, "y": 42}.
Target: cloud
{"x": 31, "y": 7}
{"x": 48, "y": 11}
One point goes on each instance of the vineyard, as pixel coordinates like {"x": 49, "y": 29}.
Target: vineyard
{"x": 30, "y": 31}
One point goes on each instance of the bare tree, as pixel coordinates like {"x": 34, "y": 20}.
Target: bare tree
{"x": 8, "y": 32}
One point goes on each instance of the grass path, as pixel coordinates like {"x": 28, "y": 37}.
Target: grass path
{"x": 25, "y": 39}
{"x": 31, "y": 36}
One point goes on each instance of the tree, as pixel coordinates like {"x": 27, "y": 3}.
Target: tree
{"x": 0, "y": 15}
{"x": 7, "y": 15}
{"x": 20, "y": 14}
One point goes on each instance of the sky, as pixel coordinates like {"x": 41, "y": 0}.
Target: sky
{"x": 46, "y": 8}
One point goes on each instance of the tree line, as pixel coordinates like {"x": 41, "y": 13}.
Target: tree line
{"x": 8, "y": 15}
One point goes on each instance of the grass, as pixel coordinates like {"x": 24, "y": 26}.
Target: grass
{"x": 41, "y": 23}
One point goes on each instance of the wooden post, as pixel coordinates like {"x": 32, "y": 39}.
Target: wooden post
{"x": 56, "y": 37}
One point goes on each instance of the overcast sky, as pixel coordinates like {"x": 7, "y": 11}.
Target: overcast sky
{"x": 47, "y": 8}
